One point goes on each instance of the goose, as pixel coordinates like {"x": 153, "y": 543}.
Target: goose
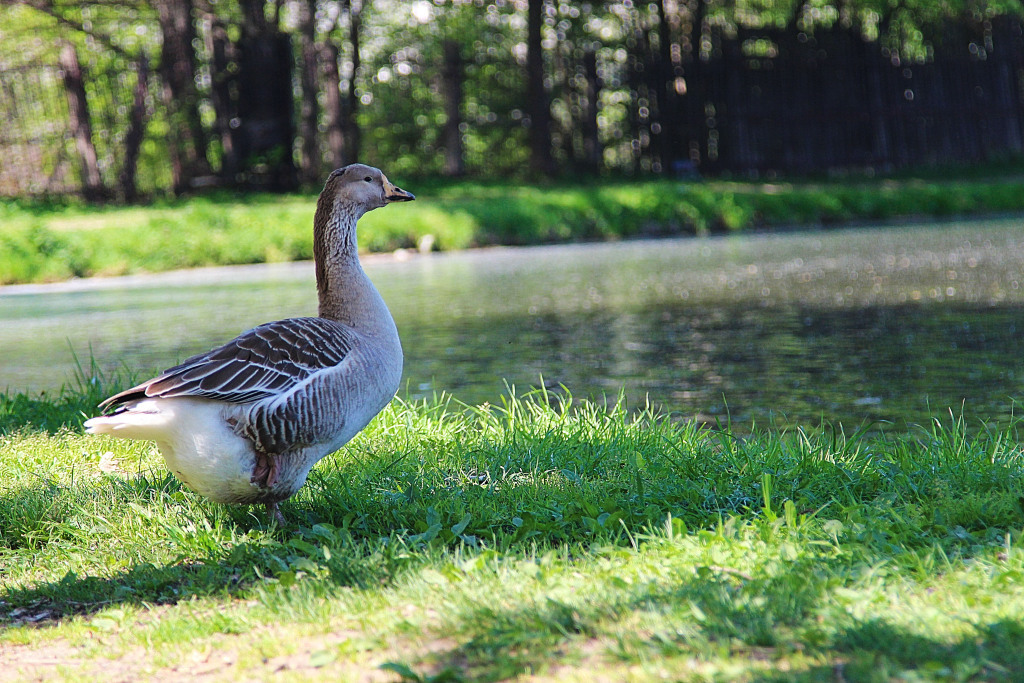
{"x": 246, "y": 421}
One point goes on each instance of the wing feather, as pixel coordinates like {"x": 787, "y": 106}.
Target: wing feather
{"x": 262, "y": 362}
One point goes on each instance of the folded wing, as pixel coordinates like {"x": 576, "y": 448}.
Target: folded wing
{"x": 265, "y": 361}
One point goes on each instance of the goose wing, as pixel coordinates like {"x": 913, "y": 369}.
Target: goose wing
{"x": 265, "y": 361}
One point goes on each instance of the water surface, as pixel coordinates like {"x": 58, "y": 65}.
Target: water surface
{"x": 898, "y": 323}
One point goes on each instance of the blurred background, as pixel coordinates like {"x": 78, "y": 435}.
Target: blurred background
{"x": 146, "y": 137}
{"x": 126, "y": 99}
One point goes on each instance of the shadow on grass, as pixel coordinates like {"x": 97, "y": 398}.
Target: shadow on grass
{"x": 67, "y": 407}
{"x": 876, "y": 650}
{"x": 44, "y": 413}
{"x": 711, "y": 617}
{"x": 44, "y": 604}
{"x": 230, "y": 571}
{"x": 221, "y": 550}
{"x": 707, "y": 614}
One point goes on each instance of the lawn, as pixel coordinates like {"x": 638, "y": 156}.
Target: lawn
{"x": 48, "y": 241}
{"x": 540, "y": 537}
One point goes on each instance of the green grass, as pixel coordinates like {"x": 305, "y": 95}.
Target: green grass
{"x": 42, "y": 241}
{"x": 540, "y": 537}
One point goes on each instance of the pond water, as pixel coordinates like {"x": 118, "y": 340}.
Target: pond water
{"x": 894, "y": 324}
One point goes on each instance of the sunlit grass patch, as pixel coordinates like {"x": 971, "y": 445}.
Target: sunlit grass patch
{"x": 56, "y": 241}
{"x": 539, "y": 535}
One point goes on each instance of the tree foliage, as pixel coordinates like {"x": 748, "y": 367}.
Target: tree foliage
{"x": 424, "y": 87}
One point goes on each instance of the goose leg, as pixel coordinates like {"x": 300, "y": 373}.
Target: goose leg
{"x": 275, "y": 514}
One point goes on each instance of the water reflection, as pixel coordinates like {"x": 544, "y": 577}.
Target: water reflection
{"x": 788, "y": 364}
{"x": 876, "y": 324}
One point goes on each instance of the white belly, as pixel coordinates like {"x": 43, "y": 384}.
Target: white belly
{"x": 198, "y": 445}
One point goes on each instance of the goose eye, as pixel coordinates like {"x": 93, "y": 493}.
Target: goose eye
{"x": 368, "y": 179}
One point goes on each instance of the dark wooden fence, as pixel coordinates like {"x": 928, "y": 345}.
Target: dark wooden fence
{"x": 833, "y": 100}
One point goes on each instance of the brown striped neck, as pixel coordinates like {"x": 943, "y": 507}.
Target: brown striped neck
{"x": 345, "y": 293}
{"x": 335, "y": 246}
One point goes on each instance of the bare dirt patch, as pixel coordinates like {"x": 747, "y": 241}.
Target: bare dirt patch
{"x": 326, "y": 657}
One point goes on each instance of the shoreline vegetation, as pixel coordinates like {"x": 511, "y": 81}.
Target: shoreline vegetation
{"x": 540, "y": 536}
{"x": 47, "y": 242}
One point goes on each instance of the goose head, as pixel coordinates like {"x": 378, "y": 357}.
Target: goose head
{"x": 362, "y": 188}
{"x": 349, "y": 192}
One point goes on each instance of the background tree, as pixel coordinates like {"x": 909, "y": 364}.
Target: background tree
{"x": 537, "y": 102}
{"x": 452, "y": 76}
{"x": 187, "y": 139}
{"x": 310, "y": 162}
{"x": 252, "y": 91}
{"x": 81, "y": 122}
{"x": 353, "y": 134}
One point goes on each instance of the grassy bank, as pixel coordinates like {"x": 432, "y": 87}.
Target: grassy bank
{"x": 47, "y": 242}
{"x": 536, "y": 538}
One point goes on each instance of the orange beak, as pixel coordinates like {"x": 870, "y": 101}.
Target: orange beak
{"x": 393, "y": 193}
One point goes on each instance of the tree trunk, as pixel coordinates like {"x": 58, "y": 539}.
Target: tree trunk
{"x": 309, "y": 115}
{"x": 81, "y": 126}
{"x": 265, "y": 134}
{"x": 537, "y": 104}
{"x": 178, "y": 71}
{"x": 693, "y": 101}
{"x": 136, "y": 132}
{"x": 333, "y": 105}
{"x": 591, "y": 142}
{"x": 352, "y": 134}
{"x": 636, "y": 78}
{"x": 663, "y": 127}
{"x": 265, "y": 137}
{"x": 254, "y": 18}
{"x": 563, "y": 129}
{"x": 219, "y": 47}
{"x": 451, "y": 87}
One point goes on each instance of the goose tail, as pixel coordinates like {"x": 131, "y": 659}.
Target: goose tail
{"x": 140, "y": 421}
